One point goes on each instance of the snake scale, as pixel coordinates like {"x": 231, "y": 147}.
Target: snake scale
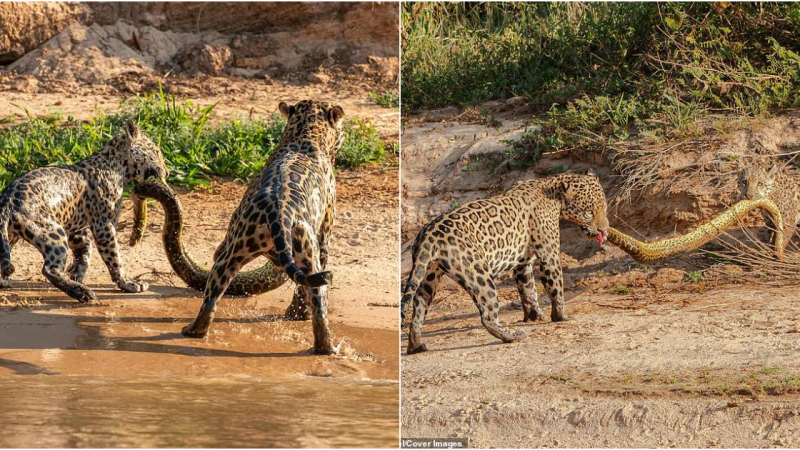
{"x": 652, "y": 252}
{"x": 262, "y": 279}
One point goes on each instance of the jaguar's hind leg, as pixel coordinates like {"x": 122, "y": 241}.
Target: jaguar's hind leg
{"x": 51, "y": 240}
{"x": 230, "y": 258}
{"x": 299, "y": 309}
{"x": 81, "y": 245}
{"x": 553, "y": 282}
{"x": 105, "y": 236}
{"x": 479, "y": 284}
{"x": 317, "y": 298}
{"x": 4, "y": 276}
{"x": 307, "y": 258}
{"x": 526, "y": 285}
{"x": 422, "y": 300}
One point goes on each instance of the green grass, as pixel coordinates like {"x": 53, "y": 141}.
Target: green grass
{"x": 195, "y": 149}
{"x": 620, "y": 290}
{"x": 387, "y": 99}
{"x": 695, "y": 276}
{"x": 603, "y": 72}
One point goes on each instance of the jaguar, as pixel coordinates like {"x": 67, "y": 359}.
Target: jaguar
{"x": 58, "y": 208}
{"x": 476, "y": 242}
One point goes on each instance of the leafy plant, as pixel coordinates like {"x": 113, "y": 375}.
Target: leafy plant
{"x": 387, "y": 99}
{"x": 620, "y": 289}
{"x": 602, "y": 72}
{"x": 193, "y": 147}
{"x": 695, "y": 276}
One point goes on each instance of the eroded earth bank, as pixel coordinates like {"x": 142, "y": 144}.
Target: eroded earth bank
{"x": 691, "y": 352}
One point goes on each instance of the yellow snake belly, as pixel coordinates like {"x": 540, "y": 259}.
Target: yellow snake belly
{"x": 652, "y": 252}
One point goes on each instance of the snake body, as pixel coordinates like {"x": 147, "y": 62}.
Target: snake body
{"x": 262, "y": 279}
{"x": 652, "y": 252}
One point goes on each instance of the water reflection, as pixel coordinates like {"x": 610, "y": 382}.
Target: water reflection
{"x": 69, "y": 411}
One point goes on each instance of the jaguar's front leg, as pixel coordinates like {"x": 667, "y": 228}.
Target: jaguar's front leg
{"x": 105, "y": 236}
{"x": 526, "y": 285}
{"x": 553, "y": 281}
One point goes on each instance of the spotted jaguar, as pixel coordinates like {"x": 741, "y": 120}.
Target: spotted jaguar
{"x": 287, "y": 215}
{"x": 56, "y": 208}
{"x": 779, "y": 185}
{"x": 476, "y": 242}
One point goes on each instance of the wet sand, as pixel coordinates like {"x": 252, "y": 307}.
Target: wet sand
{"x": 133, "y": 335}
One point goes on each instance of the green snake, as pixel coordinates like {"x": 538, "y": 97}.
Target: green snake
{"x": 262, "y": 279}
{"x": 652, "y": 252}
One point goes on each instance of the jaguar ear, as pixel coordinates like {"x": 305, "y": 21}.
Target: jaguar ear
{"x": 772, "y": 172}
{"x": 591, "y": 172}
{"x": 132, "y": 129}
{"x": 336, "y": 115}
{"x": 285, "y": 109}
{"x": 564, "y": 190}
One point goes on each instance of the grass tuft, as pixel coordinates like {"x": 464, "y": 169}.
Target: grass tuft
{"x": 387, "y": 99}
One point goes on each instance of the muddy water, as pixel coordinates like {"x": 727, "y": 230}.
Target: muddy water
{"x": 118, "y": 373}
{"x": 63, "y": 411}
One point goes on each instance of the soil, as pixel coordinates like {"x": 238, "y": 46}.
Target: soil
{"x": 96, "y": 42}
{"x": 653, "y": 356}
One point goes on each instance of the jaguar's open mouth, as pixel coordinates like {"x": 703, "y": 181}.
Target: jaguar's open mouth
{"x": 599, "y": 235}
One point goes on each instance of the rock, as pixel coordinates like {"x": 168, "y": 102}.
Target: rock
{"x": 516, "y": 103}
{"x": 440, "y": 115}
{"x": 568, "y": 261}
{"x": 492, "y": 105}
{"x": 247, "y": 73}
{"x": 387, "y": 68}
{"x": 318, "y": 78}
{"x": 81, "y": 53}
{"x": 25, "y": 26}
{"x": 27, "y": 85}
{"x": 666, "y": 276}
{"x": 725, "y": 272}
{"x": 209, "y": 59}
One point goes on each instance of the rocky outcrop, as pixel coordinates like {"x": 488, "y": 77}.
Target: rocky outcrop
{"x": 25, "y": 26}
{"x": 98, "y": 42}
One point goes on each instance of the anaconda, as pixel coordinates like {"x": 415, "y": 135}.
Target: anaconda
{"x": 652, "y": 252}
{"x": 262, "y": 279}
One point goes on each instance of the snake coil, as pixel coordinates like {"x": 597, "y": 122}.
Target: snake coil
{"x": 257, "y": 281}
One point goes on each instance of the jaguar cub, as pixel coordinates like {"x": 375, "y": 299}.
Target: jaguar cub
{"x": 55, "y": 208}
{"x": 476, "y": 242}
{"x": 287, "y": 215}
{"x": 779, "y": 185}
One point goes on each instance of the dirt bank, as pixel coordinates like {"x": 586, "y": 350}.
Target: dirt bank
{"x": 683, "y": 369}
{"x": 57, "y": 47}
{"x": 27, "y": 25}
{"x": 654, "y": 356}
